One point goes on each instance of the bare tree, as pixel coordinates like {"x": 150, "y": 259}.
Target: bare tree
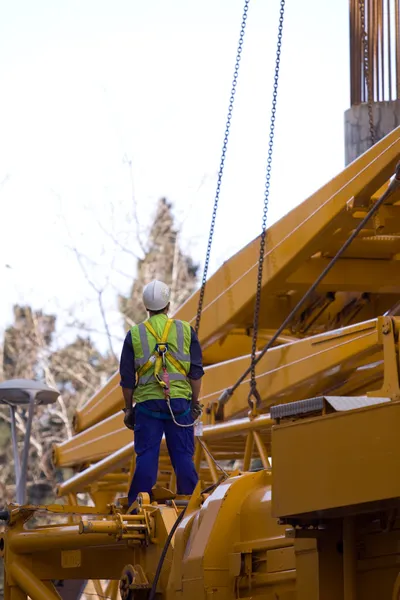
{"x": 31, "y": 347}
{"x": 99, "y": 291}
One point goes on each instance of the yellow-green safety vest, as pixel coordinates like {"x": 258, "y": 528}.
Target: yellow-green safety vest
{"x": 146, "y": 337}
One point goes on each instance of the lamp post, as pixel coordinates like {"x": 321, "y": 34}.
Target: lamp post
{"x": 24, "y": 393}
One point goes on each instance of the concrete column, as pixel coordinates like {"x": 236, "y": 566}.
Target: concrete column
{"x": 386, "y": 117}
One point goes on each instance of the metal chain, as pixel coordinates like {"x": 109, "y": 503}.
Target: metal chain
{"x": 367, "y": 73}
{"x": 253, "y": 384}
{"x": 222, "y": 163}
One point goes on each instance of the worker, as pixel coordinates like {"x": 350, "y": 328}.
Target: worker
{"x": 155, "y": 406}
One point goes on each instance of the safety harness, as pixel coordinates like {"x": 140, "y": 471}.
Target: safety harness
{"x": 159, "y": 358}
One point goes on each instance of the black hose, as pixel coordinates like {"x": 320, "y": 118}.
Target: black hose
{"x": 169, "y": 538}
{"x": 163, "y": 555}
{"x": 212, "y": 487}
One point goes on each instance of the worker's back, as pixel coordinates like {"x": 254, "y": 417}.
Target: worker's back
{"x": 173, "y": 338}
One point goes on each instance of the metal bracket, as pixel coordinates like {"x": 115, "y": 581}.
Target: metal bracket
{"x": 388, "y": 336}
{"x": 132, "y": 578}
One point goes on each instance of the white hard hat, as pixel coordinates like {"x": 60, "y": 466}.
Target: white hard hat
{"x": 156, "y": 295}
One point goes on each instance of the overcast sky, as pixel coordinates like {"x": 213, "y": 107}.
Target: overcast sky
{"x": 89, "y": 84}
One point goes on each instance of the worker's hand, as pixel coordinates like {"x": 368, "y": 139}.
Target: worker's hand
{"x": 196, "y": 410}
{"x": 129, "y": 418}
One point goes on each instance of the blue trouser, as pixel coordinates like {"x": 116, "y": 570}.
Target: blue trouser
{"x": 149, "y": 429}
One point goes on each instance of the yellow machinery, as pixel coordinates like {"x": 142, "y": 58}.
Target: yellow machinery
{"x": 320, "y": 520}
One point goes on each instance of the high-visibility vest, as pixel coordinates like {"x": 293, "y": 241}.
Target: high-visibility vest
{"x": 155, "y": 335}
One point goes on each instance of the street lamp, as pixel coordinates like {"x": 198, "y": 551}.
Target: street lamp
{"x": 24, "y": 392}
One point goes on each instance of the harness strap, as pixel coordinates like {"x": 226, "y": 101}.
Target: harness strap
{"x": 150, "y": 377}
{"x": 164, "y": 336}
{"x": 176, "y": 364}
{"x": 160, "y": 352}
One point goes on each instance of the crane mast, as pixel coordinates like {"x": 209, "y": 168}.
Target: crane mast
{"x": 374, "y": 74}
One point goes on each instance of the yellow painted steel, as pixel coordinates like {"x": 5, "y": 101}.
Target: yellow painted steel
{"x": 29, "y": 583}
{"x": 297, "y": 250}
{"x": 320, "y": 519}
{"x": 229, "y": 437}
{"x": 64, "y": 551}
{"x": 288, "y": 372}
{"x": 376, "y": 429}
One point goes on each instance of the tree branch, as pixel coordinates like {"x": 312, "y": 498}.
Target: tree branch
{"x": 126, "y": 160}
{"x": 118, "y": 243}
{"x": 99, "y": 292}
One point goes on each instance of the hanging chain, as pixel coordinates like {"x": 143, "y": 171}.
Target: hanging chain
{"x": 253, "y": 384}
{"x": 222, "y": 163}
{"x": 367, "y": 72}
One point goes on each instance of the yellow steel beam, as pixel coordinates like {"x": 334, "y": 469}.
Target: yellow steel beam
{"x": 109, "y": 399}
{"x": 30, "y": 584}
{"x": 286, "y": 373}
{"x": 221, "y": 431}
{"x": 333, "y": 316}
{"x": 93, "y": 444}
{"x": 97, "y": 407}
{"x": 318, "y": 225}
{"x": 223, "y": 374}
{"x": 65, "y": 537}
{"x": 356, "y": 275}
{"x": 95, "y": 472}
{"x": 45, "y": 557}
{"x": 305, "y": 230}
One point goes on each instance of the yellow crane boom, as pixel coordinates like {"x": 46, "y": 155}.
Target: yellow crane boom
{"x": 300, "y": 245}
{"x": 298, "y": 498}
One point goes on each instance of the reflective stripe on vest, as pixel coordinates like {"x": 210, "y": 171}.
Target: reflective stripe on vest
{"x": 177, "y": 358}
{"x": 180, "y": 355}
{"x": 172, "y": 376}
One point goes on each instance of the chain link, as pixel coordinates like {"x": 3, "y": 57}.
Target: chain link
{"x": 367, "y": 73}
{"x": 253, "y": 384}
{"x": 222, "y": 163}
